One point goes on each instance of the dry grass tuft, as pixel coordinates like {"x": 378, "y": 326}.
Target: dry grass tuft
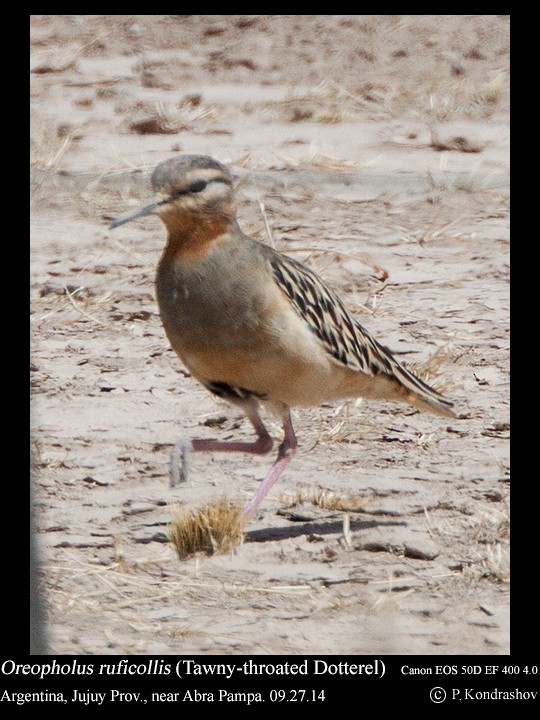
{"x": 87, "y": 303}
{"x": 48, "y": 144}
{"x": 316, "y": 159}
{"x": 459, "y": 143}
{"x": 449, "y": 100}
{"x": 434, "y": 230}
{"x": 214, "y": 528}
{"x": 165, "y": 119}
{"x": 55, "y": 60}
{"x": 429, "y": 370}
{"x": 324, "y": 499}
{"x": 493, "y": 533}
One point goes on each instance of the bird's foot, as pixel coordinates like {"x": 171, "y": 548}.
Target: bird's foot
{"x": 179, "y": 464}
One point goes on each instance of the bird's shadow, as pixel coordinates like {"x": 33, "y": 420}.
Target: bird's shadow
{"x": 316, "y": 528}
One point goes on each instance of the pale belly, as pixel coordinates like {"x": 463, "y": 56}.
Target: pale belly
{"x": 291, "y": 367}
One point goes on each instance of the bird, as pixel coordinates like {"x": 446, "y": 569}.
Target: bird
{"x": 257, "y": 328}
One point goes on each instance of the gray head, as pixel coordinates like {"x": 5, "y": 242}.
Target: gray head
{"x": 187, "y": 184}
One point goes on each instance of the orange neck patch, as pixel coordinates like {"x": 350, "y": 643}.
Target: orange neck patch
{"x": 191, "y": 236}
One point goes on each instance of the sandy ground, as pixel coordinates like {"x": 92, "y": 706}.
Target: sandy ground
{"x": 375, "y": 149}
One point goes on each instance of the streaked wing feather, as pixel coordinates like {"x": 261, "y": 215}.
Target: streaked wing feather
{"x": 340, "y": 333}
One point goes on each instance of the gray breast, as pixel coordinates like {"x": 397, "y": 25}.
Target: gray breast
{"x": 204, "y": 306}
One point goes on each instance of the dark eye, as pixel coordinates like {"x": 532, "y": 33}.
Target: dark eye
{"x": 198, "y": 186}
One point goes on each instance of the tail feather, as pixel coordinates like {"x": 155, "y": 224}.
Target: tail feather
{"x": 417, "y": 392}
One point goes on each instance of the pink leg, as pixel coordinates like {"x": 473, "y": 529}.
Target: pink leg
{"x": 182, "y": 449}
{"x": 284, "y": 456}
{"x": 260, "y": 446}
